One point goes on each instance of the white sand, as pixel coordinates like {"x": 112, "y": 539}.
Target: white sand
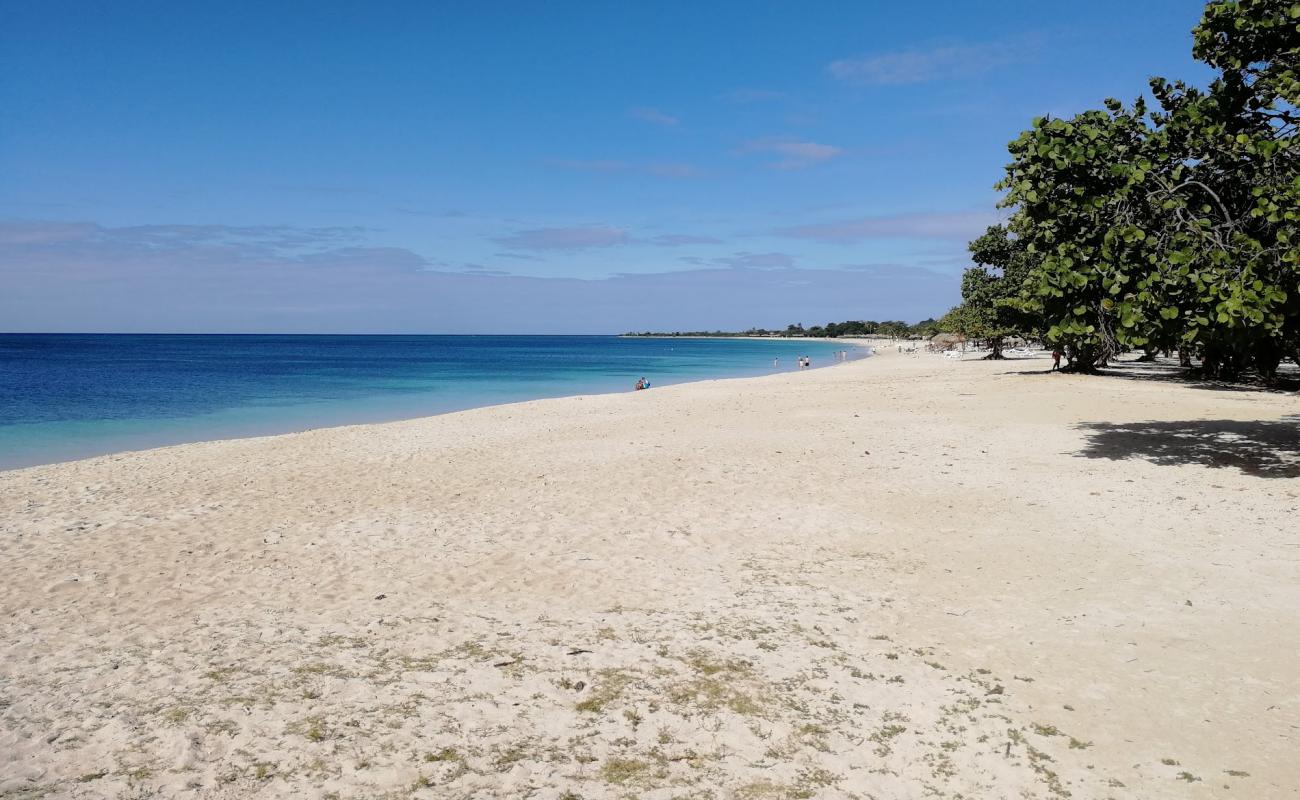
{"x": 897, "y": 578}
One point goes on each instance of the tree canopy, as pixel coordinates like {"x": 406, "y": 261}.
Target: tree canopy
{"x": 1160, "y": 226}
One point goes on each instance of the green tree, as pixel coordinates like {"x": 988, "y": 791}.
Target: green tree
{"x": 1177, "y": 227}
{"x": 991, "y": 290}
{"x": 1078, "y": 187}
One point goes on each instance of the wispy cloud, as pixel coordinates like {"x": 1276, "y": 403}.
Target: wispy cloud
{"x": 937, "y": 62}
{"x": 666, "y": 169}
{"x": 938, "y": 225}
{"x": 673, "y": 169}
{"x": 793, "y": 153}
{"x": 744, "y": 260}
{"x": 245, "y": 242}
{"x": 756, "y": 261}
{"x": 677, "y": 239}
{"x": 654, "y": 116}
{"x": 470, "y": 268}
{"x": 584, "y": 237}
{"x": 578, "y": 238}
{"x": 164, "y": 247}
{"x": 590, "y": 165}
{"x": 747, "y": 96}
{"x": 113, "y": 279}
{"x": 44, "y": 232}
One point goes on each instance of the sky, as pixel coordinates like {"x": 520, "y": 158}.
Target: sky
{"x": 558, "y": 167}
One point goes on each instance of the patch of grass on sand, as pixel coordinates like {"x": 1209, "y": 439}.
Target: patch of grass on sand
{"x": 809, "y": 783}
{"x": 313, "y": 729}
{"x": 176, "y": 715}
{"x": 506, "y": 757}
{"x": 445, "y": 754}
{"x": 322, "y": 668}
{"x": 607, "y": 688}
{"x": 716, "y": 683}
{"x": 884, "y": 735}
{"x": 1038, "y": 761}
{"x": 623, "y": 770}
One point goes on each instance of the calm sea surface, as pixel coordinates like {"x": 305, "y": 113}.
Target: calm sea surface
{"x": 70, "y": 396}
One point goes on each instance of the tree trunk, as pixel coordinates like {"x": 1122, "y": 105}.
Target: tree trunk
{"x": 1081, "y": 358}
{"x": 1267, "y": 356}
{"x": 1109, "y": 346}
{"x": 995, "y": 345}
{"x": 1222, "y": 363}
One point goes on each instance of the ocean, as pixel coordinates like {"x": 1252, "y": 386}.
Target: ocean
{"x": 67, "y": 396}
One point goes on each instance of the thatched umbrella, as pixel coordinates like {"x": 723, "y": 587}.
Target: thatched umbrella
{"x": 946, "y": 341}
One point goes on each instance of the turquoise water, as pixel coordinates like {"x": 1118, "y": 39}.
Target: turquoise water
{"x": 66, "y": 396}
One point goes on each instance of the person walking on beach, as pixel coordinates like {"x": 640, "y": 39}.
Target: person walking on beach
{"x": 1056, "y": 360}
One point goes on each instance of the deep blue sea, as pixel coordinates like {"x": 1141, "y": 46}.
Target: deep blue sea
{"x": 66, "y": 396}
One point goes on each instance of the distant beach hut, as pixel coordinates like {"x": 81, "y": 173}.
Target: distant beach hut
{"x": 946, "y": 341}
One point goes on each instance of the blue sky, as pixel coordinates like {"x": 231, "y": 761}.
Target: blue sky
{"x": 525, "y": 167}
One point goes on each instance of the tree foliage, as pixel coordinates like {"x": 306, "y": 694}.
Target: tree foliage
{"x": 1172, "y": 225}
{"x": 990, "y": 291}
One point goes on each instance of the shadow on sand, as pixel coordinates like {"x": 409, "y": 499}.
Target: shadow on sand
{"x": 1266, "y": 448}
{"x": 1166, "y": 370}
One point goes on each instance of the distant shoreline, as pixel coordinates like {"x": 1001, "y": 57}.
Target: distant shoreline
{"x": 850, "y": 339}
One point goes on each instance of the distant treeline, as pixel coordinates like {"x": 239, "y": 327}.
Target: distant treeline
{"x": 895, "y": 329}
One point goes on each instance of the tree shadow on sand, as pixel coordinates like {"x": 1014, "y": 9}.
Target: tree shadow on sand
{"x": 1166, "y": 370}
{"x": 1263, "y": 448}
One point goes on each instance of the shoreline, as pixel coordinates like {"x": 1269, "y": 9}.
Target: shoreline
{"x": 852, "y": 344}
{"x": 911, "y": 572}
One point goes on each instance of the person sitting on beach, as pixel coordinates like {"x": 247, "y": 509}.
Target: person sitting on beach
{"x": 640, "y": 384}
{"x": 645, "y": 384}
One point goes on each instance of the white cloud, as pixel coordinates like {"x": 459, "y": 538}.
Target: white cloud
{"x": 578, "y": 238}
{"x": 676, "y": 239}
{"x": 653, "y": 116}
{"x": 756, "y": 261}
{"x": 939, "y": 62}
{"x": 44, "y": 232}
{"x": 747, "y": 96}
{"x": 937, "y": 225}
{"x": 794, "y": 153}
{"x": 665, "y": 169}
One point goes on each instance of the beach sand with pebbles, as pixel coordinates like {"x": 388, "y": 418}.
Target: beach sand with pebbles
{"x": 901, "y": 577}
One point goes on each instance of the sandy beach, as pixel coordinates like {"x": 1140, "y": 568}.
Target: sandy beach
{"x": 901, "y": 577}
